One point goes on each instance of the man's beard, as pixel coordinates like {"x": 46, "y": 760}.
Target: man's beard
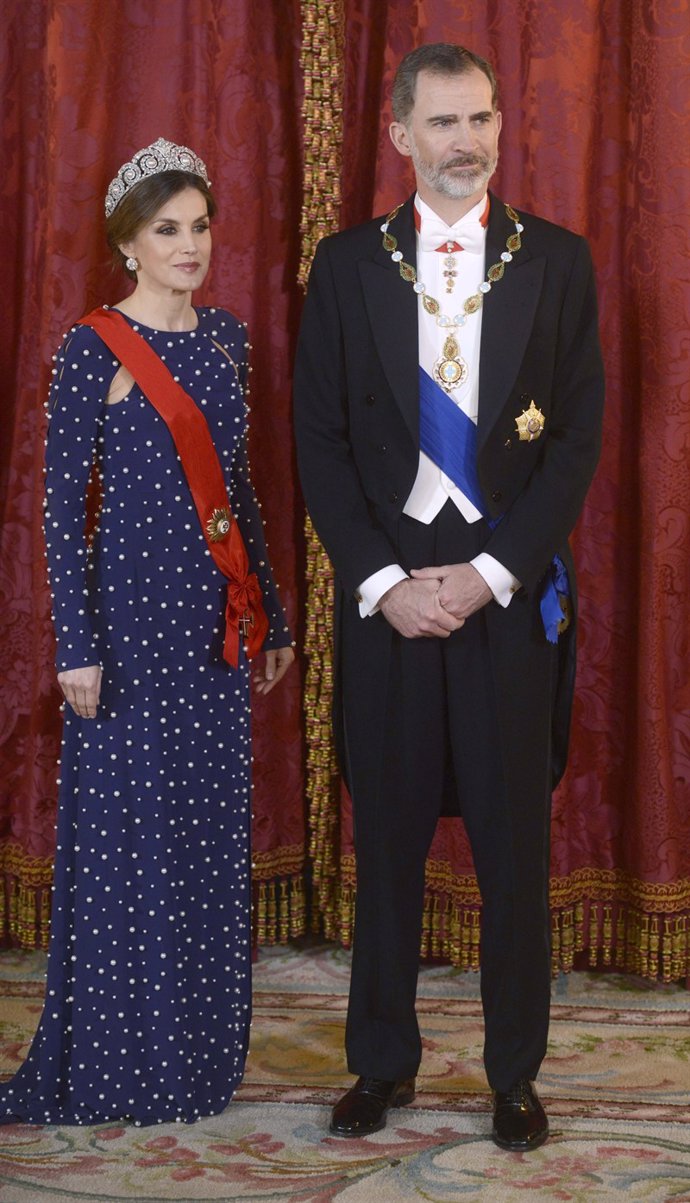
{"x": 442, "y": 180}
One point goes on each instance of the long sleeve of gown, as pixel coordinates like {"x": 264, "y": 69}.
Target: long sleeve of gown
{"x": 243, "y": 500}
{"x": 84, "y": 369}
{"x": 245, "y": 508}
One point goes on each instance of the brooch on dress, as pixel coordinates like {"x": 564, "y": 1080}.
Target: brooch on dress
{"x": 218, "y": 524}
{"x": 530, "y": 423}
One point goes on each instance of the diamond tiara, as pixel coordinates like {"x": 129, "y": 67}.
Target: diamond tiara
{"x": 161, "y": 155}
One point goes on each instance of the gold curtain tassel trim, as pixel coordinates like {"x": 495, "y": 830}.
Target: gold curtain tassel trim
{"x": 322, "y": 66}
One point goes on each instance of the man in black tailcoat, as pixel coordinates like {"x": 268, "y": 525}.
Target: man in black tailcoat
{"x": 448, "y": 400}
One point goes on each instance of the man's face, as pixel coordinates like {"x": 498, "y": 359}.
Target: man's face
{"x": 451, "y": 135}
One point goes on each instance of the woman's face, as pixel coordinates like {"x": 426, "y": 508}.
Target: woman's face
{"x": 174, "y": 248}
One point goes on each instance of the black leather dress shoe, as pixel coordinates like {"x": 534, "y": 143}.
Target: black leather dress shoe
{"x": 365, "y": 1106}
{"x": 520, "y": 1121}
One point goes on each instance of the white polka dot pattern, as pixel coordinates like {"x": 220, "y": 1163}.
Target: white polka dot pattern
{"x": 149, "y": 976}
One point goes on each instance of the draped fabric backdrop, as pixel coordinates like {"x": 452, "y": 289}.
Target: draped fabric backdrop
{"x": 84, "y": 85}
{"x": 596, "y": 136}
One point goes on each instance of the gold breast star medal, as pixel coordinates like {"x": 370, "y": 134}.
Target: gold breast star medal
{"x": 450, "y": 369}
{"x": 218, "y": 524}
{"x": 530, "y": 423}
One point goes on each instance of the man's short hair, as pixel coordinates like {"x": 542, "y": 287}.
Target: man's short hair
{"x": 440, "y": 58}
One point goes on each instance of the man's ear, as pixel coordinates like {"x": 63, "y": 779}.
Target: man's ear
{"x": 400, "y": 139}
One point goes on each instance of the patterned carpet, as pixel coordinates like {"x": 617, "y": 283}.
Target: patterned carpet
{"x": 616, "y": 1084}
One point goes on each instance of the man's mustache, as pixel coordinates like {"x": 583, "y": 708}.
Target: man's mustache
{"x": 470, "y": 161}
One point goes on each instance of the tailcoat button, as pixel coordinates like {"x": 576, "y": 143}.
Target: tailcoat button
{"x": 496, "y": 495}
{"x": 370, "y": 399}
{"x": 393, "y": 497}
{"x": 525, "y": 398}
{"x": 382, "y": 448}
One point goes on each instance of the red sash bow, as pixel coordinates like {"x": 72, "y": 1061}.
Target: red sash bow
{"x": 201, "y": 466}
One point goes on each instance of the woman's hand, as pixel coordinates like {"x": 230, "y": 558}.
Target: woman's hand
{"x": 82, "y": 688}
{"x": 276, "y": 663}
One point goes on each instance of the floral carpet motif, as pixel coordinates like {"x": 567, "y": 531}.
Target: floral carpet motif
{"x": 616, "y": 1083}
{"x": 280, "y": 1152}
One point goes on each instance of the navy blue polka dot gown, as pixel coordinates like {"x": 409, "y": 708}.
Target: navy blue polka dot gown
{"x": 148, "y": 996}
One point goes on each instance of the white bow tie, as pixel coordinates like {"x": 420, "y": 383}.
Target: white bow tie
{"x": 435, "y": 234}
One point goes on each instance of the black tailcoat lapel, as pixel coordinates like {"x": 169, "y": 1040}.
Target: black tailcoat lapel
{"x": 391, "y": 304}
{"x": 508, "y": 317}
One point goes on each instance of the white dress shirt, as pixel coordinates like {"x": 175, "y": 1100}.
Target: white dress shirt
{"x": 432, "y": 488}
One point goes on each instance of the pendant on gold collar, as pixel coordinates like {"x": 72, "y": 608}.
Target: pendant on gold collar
{"x": 530, "y": 423}
{"x": 451, "y": 370}
{"x": 218, "y": 524}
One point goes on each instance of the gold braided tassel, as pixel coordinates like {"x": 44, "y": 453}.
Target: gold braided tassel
{"x": 323, "y": 23}
{"x": 25, "y": 883}
{"x": 322, "y": 67}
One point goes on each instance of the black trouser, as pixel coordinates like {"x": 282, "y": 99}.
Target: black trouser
{"x": 441, "y": 719}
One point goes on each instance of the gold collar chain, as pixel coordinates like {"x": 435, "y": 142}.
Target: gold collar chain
{"x": 474, "y": 302}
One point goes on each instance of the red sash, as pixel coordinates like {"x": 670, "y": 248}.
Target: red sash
{"x": 201, "y": 466}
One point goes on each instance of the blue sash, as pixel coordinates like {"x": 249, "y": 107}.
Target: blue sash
{"x": 555, "y": 600}
{"x": 449, "y": 438}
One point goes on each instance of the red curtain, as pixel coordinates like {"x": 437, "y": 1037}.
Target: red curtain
{"x": 596, "y": 136}
{"x": 84, "y": 84}
{"x": 595, "y": 103}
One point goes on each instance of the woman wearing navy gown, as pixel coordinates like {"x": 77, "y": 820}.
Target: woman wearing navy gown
{"x": 149, "y": 975}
